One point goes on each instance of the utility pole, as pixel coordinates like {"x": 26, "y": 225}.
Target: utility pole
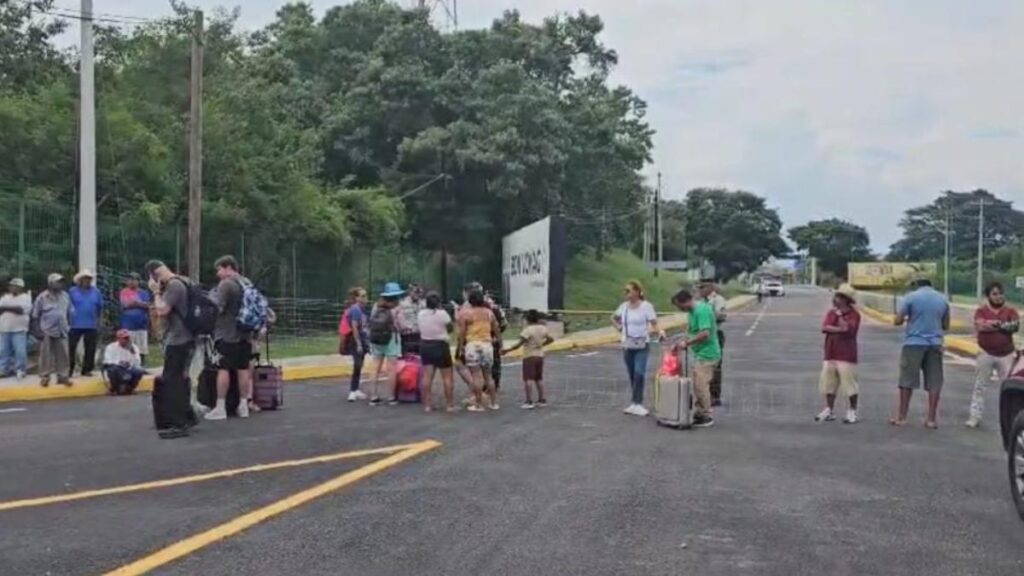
{"x": 657, "y": 224}
{"x": 195, "y": 150}
{"x": 646, "y": 252}
{"x": 87, "y": 146}
{"x": 981, "y": 245}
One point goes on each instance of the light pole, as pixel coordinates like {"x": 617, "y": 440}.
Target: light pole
{"x": 981, "y": 245}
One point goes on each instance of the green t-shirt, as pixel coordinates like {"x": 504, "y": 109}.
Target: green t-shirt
{"x": 702, "y": 318}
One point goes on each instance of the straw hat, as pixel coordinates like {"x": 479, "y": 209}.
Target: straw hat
{"x": 85, "y": 273}
{"x": 17, "y": 282}
{"x": 847, "y": 291}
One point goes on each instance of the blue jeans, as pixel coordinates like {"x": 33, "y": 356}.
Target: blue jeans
{"x": 13, "y": 350}
{"x": 636, "y": 365}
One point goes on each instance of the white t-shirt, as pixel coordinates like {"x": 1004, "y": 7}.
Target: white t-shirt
{"x": 636, "y": 321}
{"x": 116, "y": 354}
{"x": 719, "y": 304}
{"x": 433, "y": 324}
{"x": 16, "y": 322}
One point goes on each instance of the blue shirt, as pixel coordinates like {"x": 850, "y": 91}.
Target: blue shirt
{"x": 134, "y": 318}
{"x": 356, "y": 314}
{"x": 925, "y": 310}
{"x": 87, "y": 305}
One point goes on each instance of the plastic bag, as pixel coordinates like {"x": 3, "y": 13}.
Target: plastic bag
{"x": 670, "y": 365}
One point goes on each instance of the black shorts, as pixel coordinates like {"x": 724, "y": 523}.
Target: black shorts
{"x": 234, "y": 355}
{"x": 435, "y": 353}
{"x": 533, "y": 368}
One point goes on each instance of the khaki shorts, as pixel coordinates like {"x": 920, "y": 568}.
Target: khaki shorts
{"x": 839, "y": 377}
{"x": 140, "y": 338}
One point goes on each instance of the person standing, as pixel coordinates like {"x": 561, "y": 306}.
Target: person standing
{"x": 839, "y": 371}
{"x": 135, "y": 305}
{"x": 232, "y": 343}
{"x": 702, "y": 338}
{"x": 354, "y": 337}
{"x": 87, "y": 306}
{"x": 636, "y": 320}
{"x": 408, "y": 319}
{"x": 925, "y": 312}
{"x": 171, "y": 392}
{"x": 995, "y": 323}
{"x": 478, "y": 328}
{"x": 532, "y": 340}
{"x": 15, "y": 314}
{"x": 122, "y": 364}
{"x": 385, "y": 342}
{"x": 52, "y": 312}
{"x": 709, "y": 293}
{"x": 435, "y": 324}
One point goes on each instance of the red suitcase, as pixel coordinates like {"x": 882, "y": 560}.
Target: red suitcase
{"x": 267, "y": 382}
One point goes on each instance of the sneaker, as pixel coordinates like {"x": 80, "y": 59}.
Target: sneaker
{"x": 851, "y": 417}
{"x": 375, "y": 401}
{"x": 494, "y": 406}
{"x": 528, "y": 406}
{"x": 641, "y": 410}
{"x": 703, "y": 421}
{"x": 65, "y": 381}
{"x": 973, "y": 422}
{"x": 217, "y": 414}
{"x": 356, "y": 395}
{"x": 200, "y": 409}
{"x": 20, "y": 375}
{"x": 631, "y": 409}
{"x": 393, "y": 402}
{"x": 475, "y": 408}
{"x": 243, "y": 409}
{"x": 44, "y": 382}
{"x": 542, "y": 403}
{"x": 826, "y": 415}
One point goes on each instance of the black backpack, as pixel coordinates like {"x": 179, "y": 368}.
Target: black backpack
{"x": 201, "y": 314}
{"x": 382, "y": 326}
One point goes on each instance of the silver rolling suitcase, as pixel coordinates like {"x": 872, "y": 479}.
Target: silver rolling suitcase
{"x": 673, "y": 398}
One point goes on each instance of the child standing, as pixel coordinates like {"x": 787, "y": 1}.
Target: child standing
{"x": 532, "y": 340}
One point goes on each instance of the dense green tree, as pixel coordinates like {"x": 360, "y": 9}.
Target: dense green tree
{"x": 923, "y": 226}
{"x": 735, "y": 231}
{"x": 834, "y": 242}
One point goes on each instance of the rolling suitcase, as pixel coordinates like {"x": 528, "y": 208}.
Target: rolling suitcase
{"x": 673, "y": 396}
{"x": 267, "y": 383}
{"x": 409, "y": 376}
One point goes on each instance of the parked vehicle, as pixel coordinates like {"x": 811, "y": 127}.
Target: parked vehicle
{"x": 1011, "y": 423}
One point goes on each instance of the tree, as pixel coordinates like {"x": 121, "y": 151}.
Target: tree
{"x": 735, "y": 231}
{"x": 923, "y": 237}
{"x": 834, "y": 242}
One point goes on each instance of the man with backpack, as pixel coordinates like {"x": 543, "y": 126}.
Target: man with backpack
{"x": 243, "y": 312}
{"x": 176, "y": 304}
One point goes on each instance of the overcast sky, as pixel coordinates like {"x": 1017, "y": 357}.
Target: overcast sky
{"x": 856, "y": 109}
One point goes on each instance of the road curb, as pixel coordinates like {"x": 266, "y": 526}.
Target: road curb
{"x": 92, "y": 387}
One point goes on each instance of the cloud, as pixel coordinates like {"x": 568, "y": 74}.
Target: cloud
{"x": 857, "y": 109}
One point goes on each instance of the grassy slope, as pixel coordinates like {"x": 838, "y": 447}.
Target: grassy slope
{"x": 597, "y": 285}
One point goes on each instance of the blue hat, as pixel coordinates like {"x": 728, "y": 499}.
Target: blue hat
{"x": 391, "y": 290}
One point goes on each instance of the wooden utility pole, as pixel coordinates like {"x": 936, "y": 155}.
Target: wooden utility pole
{"x": 657, "y": 225}
{"x": 195, "y": 150}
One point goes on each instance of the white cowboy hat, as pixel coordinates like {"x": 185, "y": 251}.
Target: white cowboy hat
{"x": 848, "y": 291}
{"x": 85, "y": 273}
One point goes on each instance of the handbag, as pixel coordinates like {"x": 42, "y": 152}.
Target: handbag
{"x": 631, "y": 342}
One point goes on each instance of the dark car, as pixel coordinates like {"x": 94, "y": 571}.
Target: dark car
{"x": 1011, "y": 422}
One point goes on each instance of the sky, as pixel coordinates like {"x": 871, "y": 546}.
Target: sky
{"x": 856, "y": 109}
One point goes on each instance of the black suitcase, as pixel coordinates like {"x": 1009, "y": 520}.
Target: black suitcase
{"x": 206, "y": 392}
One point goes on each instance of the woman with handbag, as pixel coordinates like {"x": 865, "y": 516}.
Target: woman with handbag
{"x": 636, "y": 320}
{"x": 352, "y": 333}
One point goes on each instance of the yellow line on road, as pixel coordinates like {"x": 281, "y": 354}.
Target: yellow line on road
{"x": 11, "y": 505}
{"x": 246, "y": 521}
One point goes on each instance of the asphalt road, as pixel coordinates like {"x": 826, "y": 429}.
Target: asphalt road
{"x": 578, "y": 488}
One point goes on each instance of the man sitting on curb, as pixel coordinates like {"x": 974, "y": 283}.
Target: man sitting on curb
{"x": 702, "y": 338}
{"x": 122, "y": 364}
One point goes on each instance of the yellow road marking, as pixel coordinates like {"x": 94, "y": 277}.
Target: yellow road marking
{"x": 11, "y": 505}
{"x": 246, "y": 521}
